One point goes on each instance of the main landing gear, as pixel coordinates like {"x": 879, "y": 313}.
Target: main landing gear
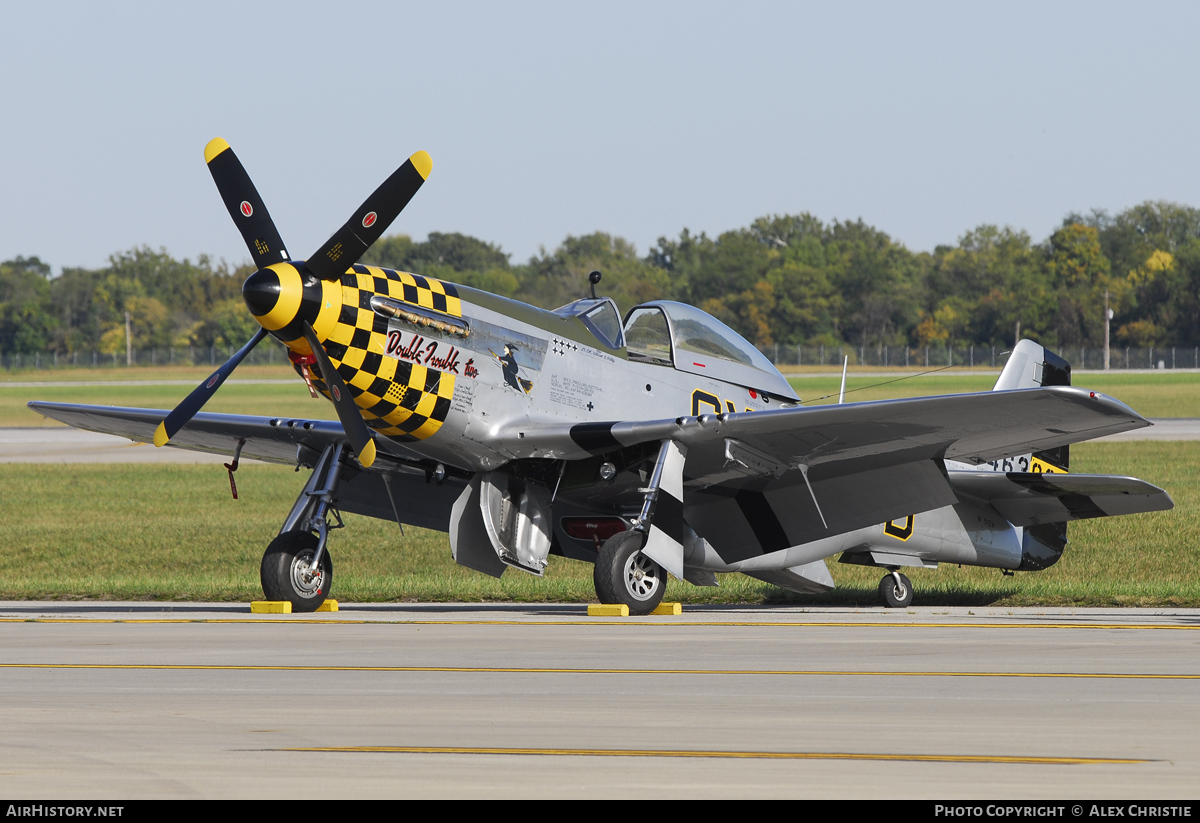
{"x": 895, "y": 590}
{"x": 296, "y": 566}
{"x": 624, "y": 575}
{"x": 288, "y": 572}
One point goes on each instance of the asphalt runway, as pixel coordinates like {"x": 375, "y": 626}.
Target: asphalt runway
{"x": 60, "y": 444}
{"x": 119, "y": 700}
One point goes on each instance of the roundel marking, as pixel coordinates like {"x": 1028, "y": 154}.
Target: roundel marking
{"x": 370, "y": 219}
{"x": 212, "y": 381}
{"x": 246, "y": 208}
{"x": 337, "y": 395}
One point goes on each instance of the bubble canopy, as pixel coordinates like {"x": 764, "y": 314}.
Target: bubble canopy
{"x": 675, "y": 334}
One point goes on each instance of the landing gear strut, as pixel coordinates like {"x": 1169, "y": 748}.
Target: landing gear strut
{"x": 622, "y": 573}
{"x": 895, "y": 590}
{"x": 296, "y": 566}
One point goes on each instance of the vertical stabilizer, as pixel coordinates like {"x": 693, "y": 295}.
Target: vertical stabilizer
{"x": 1031, "y": 366}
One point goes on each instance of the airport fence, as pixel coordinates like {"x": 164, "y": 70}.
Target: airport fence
{"x": 989, "y": 357}
{"x": 263, "y": 354}
{"x": 986, "y": 357}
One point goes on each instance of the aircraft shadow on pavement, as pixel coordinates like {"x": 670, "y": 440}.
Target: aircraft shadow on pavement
{"x": 863, "y": 596}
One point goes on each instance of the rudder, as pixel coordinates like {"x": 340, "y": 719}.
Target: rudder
{"x": 1030, "y": 366}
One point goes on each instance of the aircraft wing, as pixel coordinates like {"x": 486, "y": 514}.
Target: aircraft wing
{"x": 272, "y": 439}
{"x": 1029, "y": 499}
{"x": 290, "y": 442}
{"x": 973, "y": 428}
{"x": 863, "y": 463}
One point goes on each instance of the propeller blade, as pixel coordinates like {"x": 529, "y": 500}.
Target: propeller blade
{"x": 373, "y": 217}
{"x": 191, "y": 404}
{"x": 347, "y": 410}
{"x": 247, "y": 209}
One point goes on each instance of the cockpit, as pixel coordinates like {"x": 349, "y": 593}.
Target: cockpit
{"x": 666, "y": 333}
{"x": 600, "y": 316}
{"x": 682, "y": 337}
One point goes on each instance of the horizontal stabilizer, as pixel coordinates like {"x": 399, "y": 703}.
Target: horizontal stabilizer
{"x": 1027, "y": 499}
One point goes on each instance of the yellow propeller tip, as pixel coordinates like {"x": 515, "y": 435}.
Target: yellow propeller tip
{"x": 214, "y": 147}
{"x": 160, "y": 434}
{"x": 368, "y": 455}
{"x": 423, "y": 163}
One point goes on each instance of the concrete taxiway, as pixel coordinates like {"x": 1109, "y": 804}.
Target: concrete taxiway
{"x": 206, "y": 700}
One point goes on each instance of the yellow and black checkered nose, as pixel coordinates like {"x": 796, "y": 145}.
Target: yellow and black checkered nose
{"x": 282, "y": 296}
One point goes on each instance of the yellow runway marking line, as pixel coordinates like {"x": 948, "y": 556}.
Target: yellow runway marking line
{"x": 562, "y": 670}
{"x": 672, "y": 624}
{"x": 920, "y": 758}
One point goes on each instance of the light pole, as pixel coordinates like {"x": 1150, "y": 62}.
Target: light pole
{"x": 1108, "y": 315}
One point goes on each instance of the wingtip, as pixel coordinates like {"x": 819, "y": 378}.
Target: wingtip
{"x": 160, "y": 434}
{"x": 367, "y": 457}
{"x": 423, "y": 163}
{"x": 214, "y": 147}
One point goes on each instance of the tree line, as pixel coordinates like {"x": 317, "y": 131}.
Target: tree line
{"x": 790, "y": 279}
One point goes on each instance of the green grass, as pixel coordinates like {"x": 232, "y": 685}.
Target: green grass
{"x": 171, "y": 532}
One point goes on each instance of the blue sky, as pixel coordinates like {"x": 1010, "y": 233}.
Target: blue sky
{"x": 544, "y": 120}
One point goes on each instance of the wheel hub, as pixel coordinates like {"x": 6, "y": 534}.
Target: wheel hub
{"x": 305, "y": 579}
{"x": 642, "y": 578}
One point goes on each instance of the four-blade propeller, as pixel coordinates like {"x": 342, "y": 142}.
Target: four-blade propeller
{"x": 368, "y": 224}
{"x": 330, "y": 262}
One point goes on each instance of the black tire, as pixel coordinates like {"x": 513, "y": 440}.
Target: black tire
{"x": 283, "y": 565}
{"x": 895, "y": 596}
{"x": 624, "y": 575}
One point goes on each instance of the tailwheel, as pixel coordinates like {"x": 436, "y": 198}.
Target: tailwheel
{"x": 624, "y": 575}
{"x": 896, "y": 591}
{"x": 287, "y": 572}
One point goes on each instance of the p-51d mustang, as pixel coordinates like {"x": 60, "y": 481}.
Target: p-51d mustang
{"x": 664, "y": 443}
